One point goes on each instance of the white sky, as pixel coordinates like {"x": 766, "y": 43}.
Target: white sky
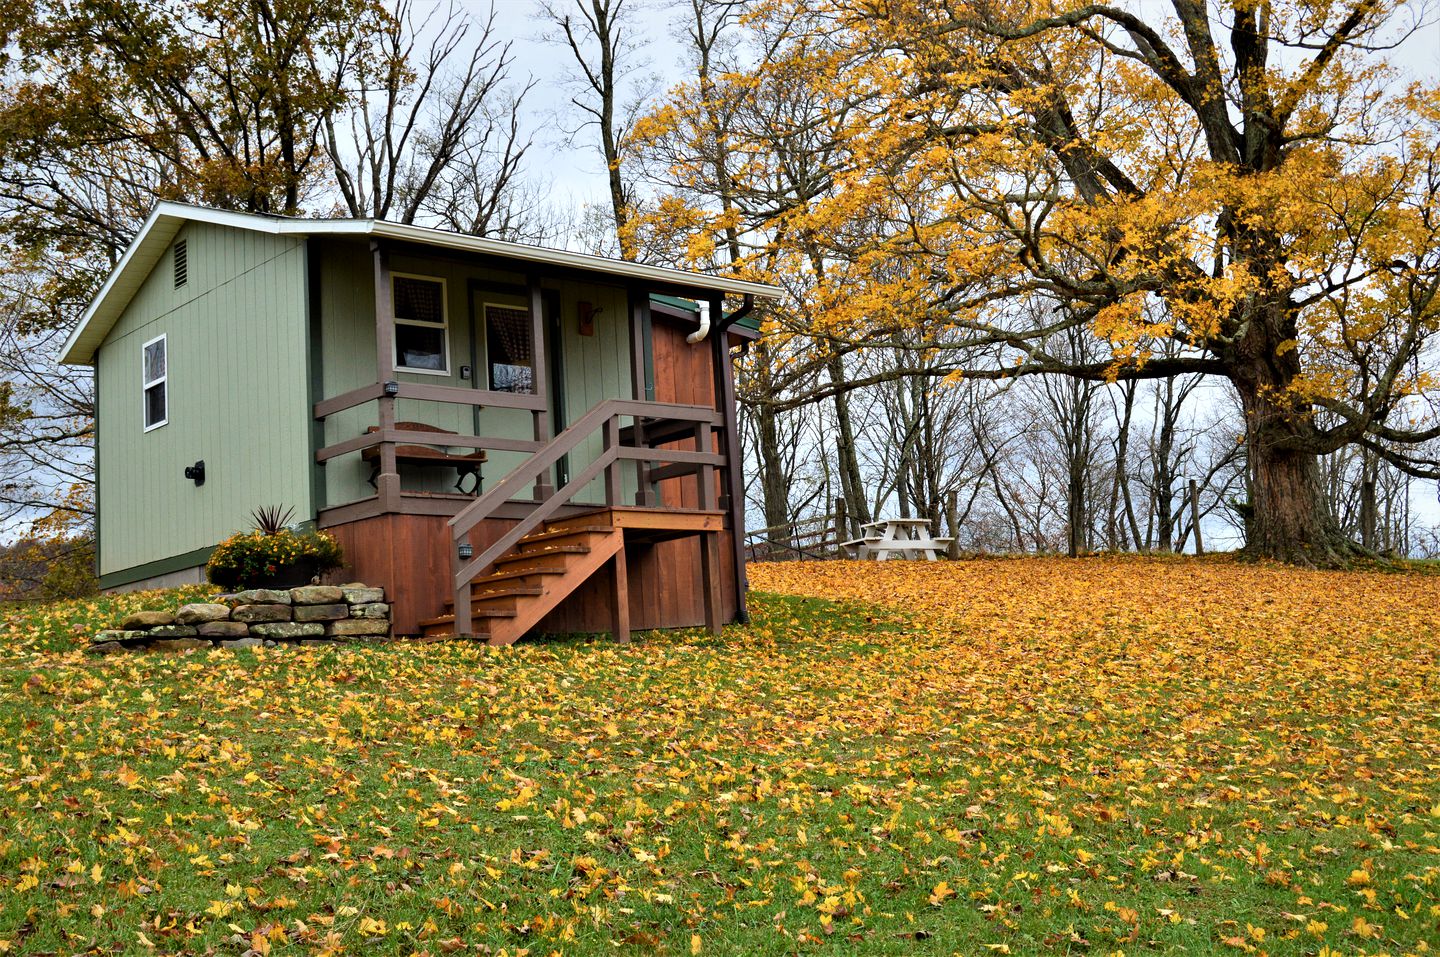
{"x": 578, "y": 173}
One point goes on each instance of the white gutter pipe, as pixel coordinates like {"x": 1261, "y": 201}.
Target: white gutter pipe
{"x": 699, "y": 334}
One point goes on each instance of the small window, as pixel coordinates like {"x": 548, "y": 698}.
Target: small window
{"x": 154, "y": 375}
{"x": 509, "y": 346}
{"x": 182, "y": 263}
{"x": 421, "y": 342}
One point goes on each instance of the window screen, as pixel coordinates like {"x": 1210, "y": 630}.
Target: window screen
{"x": 510, "y": 348}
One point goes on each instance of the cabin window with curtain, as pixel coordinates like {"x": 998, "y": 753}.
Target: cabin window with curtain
{"x": 510, "y": 349}
{"x": 421, "y": 333}
{"x": 154, "y": 379}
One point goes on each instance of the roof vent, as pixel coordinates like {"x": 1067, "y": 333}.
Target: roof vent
{"x": 182, "y": 263}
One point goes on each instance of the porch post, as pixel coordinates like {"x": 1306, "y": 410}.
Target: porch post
{"x": 387, "y": 483}
{"x": 639, "y": 332}
{"x": 539, "y": 376}
{"x": 620, "y": 598}
{"x": 734, "y": 500}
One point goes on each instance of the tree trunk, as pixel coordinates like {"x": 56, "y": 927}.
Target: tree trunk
{"x": 774, "y": 484}
{"x": 1076, "y": 517}
{"x": 1292, "y": 521}
{"x": 851, "y": 484}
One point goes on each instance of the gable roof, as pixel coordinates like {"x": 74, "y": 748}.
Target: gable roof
{"x": 166, "y": 219}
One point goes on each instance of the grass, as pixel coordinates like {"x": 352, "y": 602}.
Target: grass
{"x": 1037, "y": 756}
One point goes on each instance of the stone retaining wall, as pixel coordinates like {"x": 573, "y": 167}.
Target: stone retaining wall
{"x": 309, "y": 615}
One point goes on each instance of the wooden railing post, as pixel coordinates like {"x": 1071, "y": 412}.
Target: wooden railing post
{"x": 709, "y": 541}
{"x": 464, "y": 611}
{"x": 639, "y": 369}
{"x": 387, "y": 483}
{"x": 539, "y": 378}
{"x": 705, "y": 474}
{"x": 612, "y": 471}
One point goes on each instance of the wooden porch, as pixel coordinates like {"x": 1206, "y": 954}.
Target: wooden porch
{"x": 535, "y": 551}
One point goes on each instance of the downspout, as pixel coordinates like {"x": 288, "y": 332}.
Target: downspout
{"x": 725, "y": 321}
{"x": 699, "y": 334}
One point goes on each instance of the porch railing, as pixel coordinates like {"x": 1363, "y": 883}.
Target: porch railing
{"x": 650, "y": 418}
{"x": 387, "y": 435}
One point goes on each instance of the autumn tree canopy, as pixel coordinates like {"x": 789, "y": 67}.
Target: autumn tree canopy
{"x": 1242, "y": 189}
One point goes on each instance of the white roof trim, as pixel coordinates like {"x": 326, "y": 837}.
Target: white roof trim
{"x": 167, "y": 218}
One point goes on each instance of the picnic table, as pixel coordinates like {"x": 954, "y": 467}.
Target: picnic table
{"x": 905, "y": 537}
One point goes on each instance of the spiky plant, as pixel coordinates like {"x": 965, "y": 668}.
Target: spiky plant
{"x": 272, "y": 519}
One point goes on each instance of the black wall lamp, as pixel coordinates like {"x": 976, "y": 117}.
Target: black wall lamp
{"x": 392, "y": 388}
{"x": 196, "y": 473}
{"x": 466, "y": 551}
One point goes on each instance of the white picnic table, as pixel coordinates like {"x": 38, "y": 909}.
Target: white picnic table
{"x": 903, "y": 537}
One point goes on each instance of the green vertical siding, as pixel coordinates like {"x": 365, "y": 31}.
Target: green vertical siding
{"x": 596, "y": 367}
{"x": 237, "y": 399}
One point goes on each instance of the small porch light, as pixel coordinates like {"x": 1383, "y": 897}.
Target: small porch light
{"x": 392, "y": 388}
{"x": 466, "y": 551}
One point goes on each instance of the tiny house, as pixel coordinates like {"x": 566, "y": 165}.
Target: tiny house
{"x": 509, "y": 439}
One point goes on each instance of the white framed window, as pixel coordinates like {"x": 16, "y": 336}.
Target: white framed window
{"x": 154, "y": 382}
{"x": 422, "y": 333}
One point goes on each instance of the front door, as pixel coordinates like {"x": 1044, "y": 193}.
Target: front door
{"x": 502, "y": 350}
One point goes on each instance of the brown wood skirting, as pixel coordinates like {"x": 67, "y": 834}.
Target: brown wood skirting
{"x": 409, "y": 556}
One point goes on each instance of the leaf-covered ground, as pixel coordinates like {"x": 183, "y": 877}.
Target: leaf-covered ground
{"x": 1026, "y": 756}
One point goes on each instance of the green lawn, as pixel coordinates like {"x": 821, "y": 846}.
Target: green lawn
{"x": 976, "y": 775}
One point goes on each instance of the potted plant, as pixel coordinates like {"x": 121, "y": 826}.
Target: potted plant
{"x": 273, "y": 555}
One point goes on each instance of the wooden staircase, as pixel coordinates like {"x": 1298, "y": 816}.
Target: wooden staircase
{"x": 536, "y": 576}
{"x": 509, "y": 587}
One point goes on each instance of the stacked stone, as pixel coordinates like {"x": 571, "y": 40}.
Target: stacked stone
{"x": 310, "y": 614}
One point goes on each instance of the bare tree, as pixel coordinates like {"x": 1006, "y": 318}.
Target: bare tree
{"x": 609, "y": 86}
{"x": 434, "y": 132}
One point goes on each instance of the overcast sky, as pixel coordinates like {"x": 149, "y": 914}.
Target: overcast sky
{"x": 578, "y": 173}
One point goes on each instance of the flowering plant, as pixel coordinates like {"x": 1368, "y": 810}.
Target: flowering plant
{"x": 258, "y": 556}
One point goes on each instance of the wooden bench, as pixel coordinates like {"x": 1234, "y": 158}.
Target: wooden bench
{"x": 856, "y": 547}
{"x": 466, "y": 464}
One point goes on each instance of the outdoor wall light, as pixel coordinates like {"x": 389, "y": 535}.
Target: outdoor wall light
{"x": 392, "y": 388}
{"x": 196, "y": 473}
{"x": 466, "y": 551}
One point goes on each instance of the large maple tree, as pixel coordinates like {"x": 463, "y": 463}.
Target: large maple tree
{"x": 1243, "y": 189}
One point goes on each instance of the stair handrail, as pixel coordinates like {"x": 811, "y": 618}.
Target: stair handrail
{"x": 528, "y": 472}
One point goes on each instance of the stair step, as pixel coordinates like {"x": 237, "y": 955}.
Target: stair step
{"x": 541, "y": 552}
{"x": 503, "y": 591}
{"x": 557, "y": 530}
{"x": 480, "y": 621}
{"x": 482, "y": 612}
{"x": 523, "y": 572}
{"x": 592, "y": 521}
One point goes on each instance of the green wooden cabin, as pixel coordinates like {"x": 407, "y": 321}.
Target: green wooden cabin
{"x": 360, "y": 370}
